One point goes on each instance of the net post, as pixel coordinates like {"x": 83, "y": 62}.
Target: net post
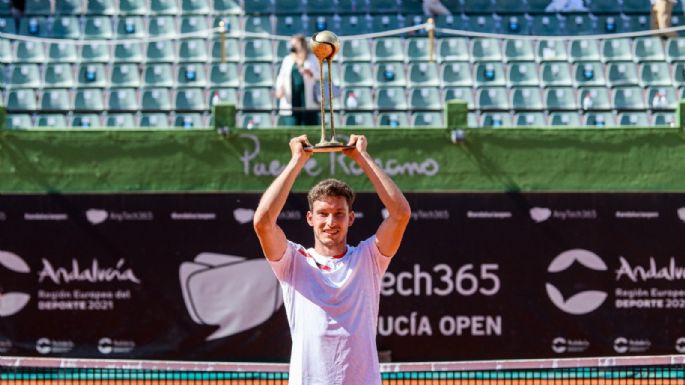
{"x": 679, "y": 114}
{"x": 222, "y": 39}
{"x": 456, "y": 114}
{"x": 224, "y": 117}
{"x": 430, "y": 26}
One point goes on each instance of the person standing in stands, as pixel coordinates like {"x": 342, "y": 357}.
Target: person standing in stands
{"x": 295, "y": 85}
{"x": 433, "y": 8}
{"x": 662, "y": 11}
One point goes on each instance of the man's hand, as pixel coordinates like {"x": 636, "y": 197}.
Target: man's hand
{"x": 359, "y": 142}
{"x": 297, "y": 145}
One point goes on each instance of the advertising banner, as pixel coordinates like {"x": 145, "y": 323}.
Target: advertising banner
{"x": 478, "y": 276}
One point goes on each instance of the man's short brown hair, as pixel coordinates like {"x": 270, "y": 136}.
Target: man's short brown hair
{"x": 330, "y": 188}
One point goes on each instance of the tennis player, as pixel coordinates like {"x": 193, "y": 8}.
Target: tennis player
{"x": 331, "y": 291}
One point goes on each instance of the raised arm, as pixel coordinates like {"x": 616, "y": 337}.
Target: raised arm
{"x": 271, "y": 236}
{"x": 390, "y": 232}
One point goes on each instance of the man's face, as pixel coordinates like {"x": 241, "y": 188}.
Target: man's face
{"x": 330, "y": 217}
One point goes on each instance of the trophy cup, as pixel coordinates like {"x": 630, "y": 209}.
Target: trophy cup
{"x": 325, "y": 45}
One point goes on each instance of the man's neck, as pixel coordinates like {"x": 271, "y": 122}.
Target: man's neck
{"x": 324, "y": 250}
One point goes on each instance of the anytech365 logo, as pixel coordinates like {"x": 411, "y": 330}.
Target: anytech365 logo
{"x": 12, "y": 302}
{"x": 585, "y": 301}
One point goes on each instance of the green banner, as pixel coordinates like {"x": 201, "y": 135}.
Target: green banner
{"x": 417, "y": 159}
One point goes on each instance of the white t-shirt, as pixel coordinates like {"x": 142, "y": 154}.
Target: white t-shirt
{"x": 332, "y": 308}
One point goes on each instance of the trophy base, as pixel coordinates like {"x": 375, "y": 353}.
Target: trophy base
{"x": 328, "y": 147}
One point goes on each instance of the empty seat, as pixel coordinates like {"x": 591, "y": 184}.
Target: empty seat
{"x": 393, "y": 119}
{"x": 158, "y": 75}
{"x": 199, "y": 7}
{"x": 289, "y": 6}
{"x": 121, "y": 120}
{"x": 546, "y": 25}
{"x": 418, "y": 49}
{"x": 388, "y": 49}
{"x": 258, "y": 50}
{"x": 258, "y": 74}
{"x": 101, "y": 7}
{"x": 529, "y": 119}
{"x": 380, "y": 23}
{"x": 589, "y": 74}
{"x": 130, "y": 27}
{"x": 154, "y": 120}
{"x": 37, "y": 7}
{"x": 353, "y": 24}
{"x": 492, "y": 98}
{"x": 489, "y": 74}
{"x": 655, "y": 74}
{"x": 523, "y": 74}
{"x": 456, "y": 74}
{"x": 617, "y": 50}
{"x": 133, "y": 7}
{"x": 579, "y": 25}
{"x": 224, "y": 75}
{"x": 484, "y": 23}
{"x": 58, "y": 75}
{"x": 636, "y": 6}
{"x": 95, "y": 53}
{"x": 560, "y": 98}
{"x": 92, "y": 75}
{"x": 160, "y": 52}
{"x": 486, "y": 50}
{"x": 56, "y": 99}
{"x": 160, "y": 26}
{"x": 257, "y": 98}
{"x": 391, "y": 74}
{"x": 287, "y": 25}
{"x": 569, "y": 119}
{"x": 255, "y": 120}
{"x": 125, "y": 75}
{"x": 661, "y": 98}
{"x": 552, "y": 50}
{"x": 460, "y": 93}
{"x": 231, "y": 51}
{"x": 164, "y": 7}
{"x": 85, "y": 120}
{"x": 193, "y": 50}
{"x": 357, "y": 74}
{"x": 123, "y": 99}
{"x": 555, "y": 74}
{"x": 18, "y": 121}
{"x": 191, "y": 75}
{"x": 526, "y": 98}
{"x": 227, "y": 6}
{"x": 52, "y": 121}
{"x": 156, "y": 99}
{"x": 628, "y": 98}
{"x": 496, "y": 119}
{"x": 594, "y": 98}
{"x": 622, "y": 74}
{"x": 259, "y": 24}
{"x": 30, "y": 52}
{"x": 633, "y": 119}
{"x": 128, "y": 53}
{"x": 68, "y": 7}
{"x": 98, "y": 27}
{"x": 62, "y": 53}
{"x": 679, "y": 74}
{"x": 33, "y": 26}
{"x": 66, "y": 27}
{"x": 192, "y": 24}
{"x": 427, "y": 119}
{"x": 223, "y": 95}
{"x": 25, "y": 76}
{"x": 425, "y": 98}
{"x": 648, "y": 49}
{"x": 664, "y": 119}
{"x": 518, "y": 50}
{"x": 89, "y": 99}
{"x": 391, "y": 98}
{"x": 363, "y": 119}
{"x": 675, "y": 49}
{"x": 515, "y": 25}
{"x": 584, "y": 50}
{"x": 7, "y": 25}
{"x": 423, "y": 75}
{"x": 453, "y": 49}
{"x": 611, "y": 24}
{"x": 600, "y": 119}
{"x": 358, "y": 98}
{"x": 318, "y": 23}
{"x": 355, "y": 51}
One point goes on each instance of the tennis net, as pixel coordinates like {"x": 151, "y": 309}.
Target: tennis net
{"x": 652, "y": 370}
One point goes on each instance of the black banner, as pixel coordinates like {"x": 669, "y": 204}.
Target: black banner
{"x": 478, "y": 276}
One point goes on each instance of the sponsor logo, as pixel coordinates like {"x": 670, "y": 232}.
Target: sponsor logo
{"x": 193, "y": 216}
{"x": 290, "y": 215}
{"x": 96, "y": 216}
{"x": 637, "y": 214}
{"x": 680, "y": 345}
{"x": 542, "y": 214}
{"x": 625, "y": 345}
{"x": 243, "y": 216}
{"x": 211, "y": 278}
{"x": 45, "y": 217}
{"x": 488, "y": 214}
{"x": 5, "y": 346}
{"x": 670, "y": 272}
{"x": 48, "y": 346}
{"x": 681, "y": 214}
{"x": 94, "y": 273}
{"x": 562, "y": 345}
{"x": 107, "y": 345}
{"x": 12, "y": 302}
{"x": 422, "y": 214}
{"x": 3, "y": 216}
{"x": 583, "y": 302}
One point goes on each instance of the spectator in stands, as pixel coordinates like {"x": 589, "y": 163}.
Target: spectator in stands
{"x": 661, "y": 15}
{"x": 433, "y": 8}
{"x": 295, "y": 85}
{"x": 566, "y": 6}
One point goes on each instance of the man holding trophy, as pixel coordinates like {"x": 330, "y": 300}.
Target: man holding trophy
{"x": 331, "y": 291}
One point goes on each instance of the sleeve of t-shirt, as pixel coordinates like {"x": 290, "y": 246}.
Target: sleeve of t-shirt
{"x": 283, "y": 267}
{"x": 381, "y": 261}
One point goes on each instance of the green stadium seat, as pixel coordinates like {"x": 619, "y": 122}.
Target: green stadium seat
{"x": 483, "y": 49}
{"x": 456, "y": 74}
{"x": 318, "y": 23}
{"x": 636, "y": 6}
{"x": 62, "y": 53}
{"x": 384, "y": 6}
{"x": 427, "y": 119}
{"x": 353, "y": 6}
{"x": 555, "y": 74}
{"x": 423, "y": 75}
{"x": 628, "y": 98}
{"x": 460, "y": 93}
{"x": 19, "y": 121}
{"x": 664, "y": 119}
{"x": 133, "y": 7}
{"x": 227, "y": 7}
{"x": 231, "y": 50}
{"x": 123, "y": 99}
{"x": 158, "y": 75}
{"x": 255, "y": 120}
{"x": 633, "y": 119}
{"x": 358, "y": 98}
{"x": 484, "y": 23}
{"x": 87, "y": 120}
{"x": 648, "y": 49}
{"x": 286, "y": 25}
{"x": 418, "y": 50}
{"x": 257, "y": 98}
{"x": 655, "y": 74}
{"x": 393, "y": 119}
{"x": 600, "y": 119}
{"x": 191, "y": 75}
{"x": 529, "y": 119}
{"x": 6, "y": 55}
{"x": 89, "y": 99}
{"x": 258, "y": 75}
{"x": 96, "y": 53}
{"x": 162, "y": 26}
{"x": 30, "y": 52}
{"x": 391, "y": 98}
{"x": 589, "y": 74}
{"x": 66, "y": 27}
{"x": 130, "y": 27}
{"x": 492, "y": 98}
{"x": 260, "y": 24}
{"x": 388, "y": 50}
{"x": 121, "y": 120}
{"x": 357, "y": 74}
{"x": 355, "y": 51}
{"x": 125, "y": 75}
{"x": 358, "y": 119}
{"x": 193, "y": 50}
{"x": 353, "y": 25}
{"x": 617, "y": 50}
{"x": 560, "y": 99}
{"x": 390, "y": 74}
{"x": 518, "y": 50}
{"x": 189, "y": 120}
{"x": 515, "y": 24}
{"x": 25, "y": 76}
{"x": 5, "y": 7}
{"x": 68, "y": 7}
{"x": 679, "y": 74}
{"x": 661, "y": 98}
{"x": 52, "y": 121}
{"x": 231, "y": 24}
{"x": 154, "y": 120}
{"x": 58, "y": 75}
{"x": 226, "y": 95}
{"x": 552, "y": 50}
{"x": 224, "y": 75}
{"x": 191, "y": 24}
{"x": 3, "y": 82}
{"x": 523, "y": 74}
{"x": 101, "y": 7}
{"x": 289, "y": 6}
{"x": 128, "y": 53}
{"x": 675, "y": 50}
{"x": 607, "y": 24}
{"x": 578, "y": 24}
{"x": 622, "y": 74}
{"x": 636, "y": 23}
{"x": 155, "y": 99}
{"x": 56, "y": 99}
{"x": 584, "y": 50}
{"x": 568, "y": 119}
{"x": 425, "y": 98}
{"x": 526, "y": 99}
{"x": 598, "y": 98}
{"x": 411, "y": 6}
{"x": 195, "y": 7}
{"x": 92, "y": 75}
{"x": 386, "y": 22}
{"x": 37, "y": 7}
{"x": 33, "y": 26}
{"x": 546, "y": 25}
{"x": 162, "y": 51}
{"x": 7, "y": 25}
{"x": 453, "y": 49}
{"x": 496, "y": 119}
{"x": 164, "y": 7}
{"x": 98, "y": 27}
{"x": 490, "y": 74}
{"x": 258, "y": 50}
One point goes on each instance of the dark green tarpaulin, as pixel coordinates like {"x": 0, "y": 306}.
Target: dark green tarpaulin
{"x": 418, "y": 159}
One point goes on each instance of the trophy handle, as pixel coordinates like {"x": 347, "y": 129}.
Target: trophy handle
{"x": 330, "y": 100}
{"x": 321, "y": 102}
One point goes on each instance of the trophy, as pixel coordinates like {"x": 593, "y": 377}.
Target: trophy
{"x": 325, "y": 45}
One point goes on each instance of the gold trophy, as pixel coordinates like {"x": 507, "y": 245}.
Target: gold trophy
{"x": 325, "y": 45}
